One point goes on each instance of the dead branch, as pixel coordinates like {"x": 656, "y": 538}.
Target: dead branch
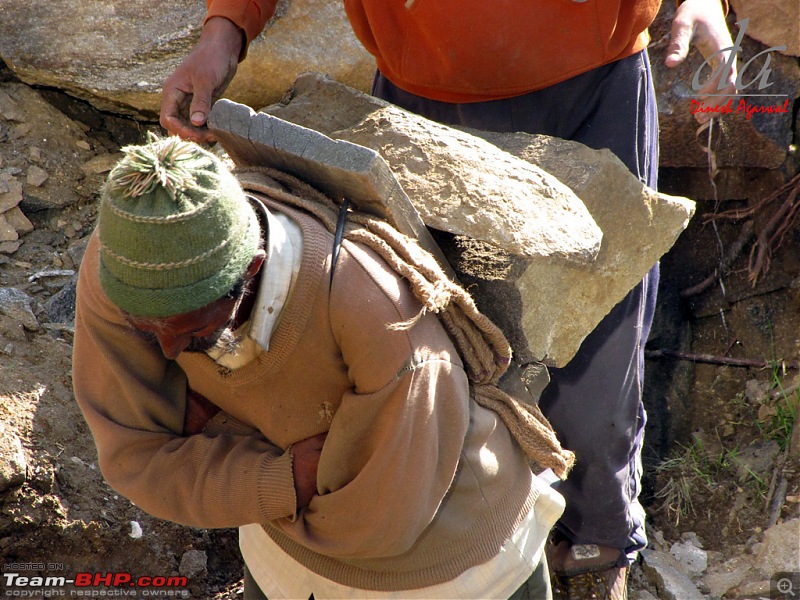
{"x": 753, "y": 363}
{"x": 727, "y": 261}
{"x": 768, "y": 239}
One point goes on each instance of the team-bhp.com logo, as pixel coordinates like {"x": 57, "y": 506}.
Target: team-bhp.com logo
{"x": 746, "y": 78}
{"x": 94, "y": 585}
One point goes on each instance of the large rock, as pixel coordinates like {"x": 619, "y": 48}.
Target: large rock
{"x": 772, "y": 22}
{"x": 639, "y": 226}
{"x": 545, "y": 306}
{"x": 461, "y": 184}
{"x": 116, "y": 54}
{"x": 762, "y": 141}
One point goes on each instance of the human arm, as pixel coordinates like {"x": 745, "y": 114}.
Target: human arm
{"x": 305, "y": 453}
{"x": 702, "y": 22}
{"x": 188, "y": 94}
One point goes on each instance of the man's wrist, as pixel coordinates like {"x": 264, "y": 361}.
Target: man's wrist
{"x": 224, "y": 31}
{"x": 724, "y": 3}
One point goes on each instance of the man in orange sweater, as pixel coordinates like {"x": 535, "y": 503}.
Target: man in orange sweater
{"x": 575, "y": 69}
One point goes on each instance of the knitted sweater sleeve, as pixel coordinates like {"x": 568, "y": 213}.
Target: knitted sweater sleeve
{"x": 395, "y": 441}
{"x": 250, "y": 15}
{"x": 134, "y": 401}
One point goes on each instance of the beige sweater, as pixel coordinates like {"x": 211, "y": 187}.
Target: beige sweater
{"x": 416, "y": 483}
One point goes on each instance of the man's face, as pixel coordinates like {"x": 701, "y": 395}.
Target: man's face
{"x": 196, "y": 331}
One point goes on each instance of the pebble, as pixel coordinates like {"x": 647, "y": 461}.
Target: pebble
{"x": 193, "y": 563}
{"x": 136, "y": 530}
{"x": 693, "y": 560}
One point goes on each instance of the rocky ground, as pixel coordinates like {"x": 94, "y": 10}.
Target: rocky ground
{"x": 722, "y": 485}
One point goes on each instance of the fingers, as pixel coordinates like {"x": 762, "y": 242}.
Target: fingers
{"x": 305, "y": 460}
{"x": 174, "y": 107}
{"x": 681, "y": 36}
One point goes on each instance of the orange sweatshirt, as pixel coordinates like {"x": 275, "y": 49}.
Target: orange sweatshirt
{"x": 469, "y": 50}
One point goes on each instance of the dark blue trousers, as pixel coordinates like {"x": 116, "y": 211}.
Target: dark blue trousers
{"x": 595, "y": 402}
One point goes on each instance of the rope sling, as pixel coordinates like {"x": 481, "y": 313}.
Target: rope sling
{"x": 482, "y": 346}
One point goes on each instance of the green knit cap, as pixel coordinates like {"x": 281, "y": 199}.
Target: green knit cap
{"x": 176, "y": 230}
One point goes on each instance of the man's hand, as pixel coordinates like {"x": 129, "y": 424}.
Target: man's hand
{"x": 189, "y": 93}
{"x": 199, "y": 410}
{"x": 702, "y": 22}
{"x": 305, "y": 459}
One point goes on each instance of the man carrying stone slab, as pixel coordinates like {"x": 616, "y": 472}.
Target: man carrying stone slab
{"x": 240, "y": 366}
{"x": 574, "y": 70}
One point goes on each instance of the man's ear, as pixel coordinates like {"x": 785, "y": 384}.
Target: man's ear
{"x": 255, "y": 264}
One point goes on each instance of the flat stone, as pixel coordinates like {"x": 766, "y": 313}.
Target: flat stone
{"x": 664, "y": 572}
{"x": 36, "y": 176}
{"x": 463, "y": 185}
{"x": 639, "y": 226}
{"x": 16, "y": 305}
{"x": 193, "y": 563}
{"x": 9, "y": 247}
{"x": 693, "y": 560}
{"x": 339, "y": 168}
{"x": 9, "y": 108}
{"x": 779, "y": 550}
{"x": 13, "y": 196}
{"x": 102, "y": 163}
{"x": 17, "y": 219}
{"x": 724, "y": 577}
{"x": 7, "y": 232}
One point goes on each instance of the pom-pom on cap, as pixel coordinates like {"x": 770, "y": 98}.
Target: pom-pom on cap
{"x": 176, "y": 230}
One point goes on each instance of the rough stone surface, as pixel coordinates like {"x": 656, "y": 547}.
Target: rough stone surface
{"x": 693, "y": 560}
{"x": 17, "y": 219}
{"x": 463, "y": 185}
{"x": 117, "y": 54}
{"x": 639, "y": 225}
{"x": 666, "y": 575}
{"x": 16, "y": 305}
{"x": 193, "y": 563}
{"x": 545, "y": 306}
{"x": 12, "y": 459}
{"x": 780, "y": 550}
{"x": 52, "y": 183}
{"x": 772, "y": 22}
{"x": 489, "y": 199}
{"x": 726, "y": 576}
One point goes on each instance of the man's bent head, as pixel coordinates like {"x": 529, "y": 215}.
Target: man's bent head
{"x": 176, "y": 230}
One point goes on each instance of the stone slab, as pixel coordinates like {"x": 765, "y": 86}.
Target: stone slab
{"x": 338, "y": 168}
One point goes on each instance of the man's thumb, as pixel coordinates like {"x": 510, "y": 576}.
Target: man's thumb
{"x": 678, "y": 48}
{"x": 198, "y": 111}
